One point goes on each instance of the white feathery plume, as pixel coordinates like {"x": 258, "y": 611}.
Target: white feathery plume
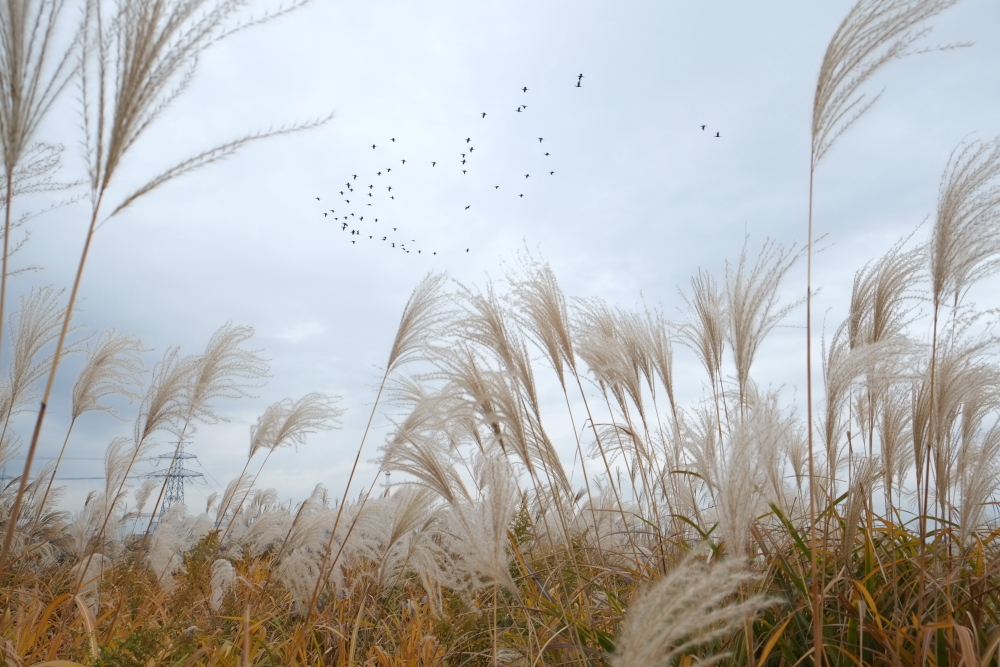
{"x": 681, "y": 615}
{"x": 223, "y": 582}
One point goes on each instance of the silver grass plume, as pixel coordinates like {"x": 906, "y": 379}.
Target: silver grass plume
{"x": 541, "y": 310}
{"x": 37, "y": 326}
{"x": 752, "y": 304}
{"x": 423, "y": 317}
{"x": 978, "y": 480}
{"x": 287, "y": 423}
{"x": 165, "y": 401}
{"x": 483, "y": 524}
{"x": 284, "y": 424}
{"x": 873, "y": 34}
{"x": 223, "y": 582}
{"x": 224, "y": 370}
{"x": 113, "y": 368}
{"x": 704, "y": 332}
{"x": 683, "y": 614}
{"x": 965, "y": 246}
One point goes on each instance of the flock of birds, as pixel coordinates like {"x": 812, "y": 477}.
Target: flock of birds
{"x": 356, "y": 200}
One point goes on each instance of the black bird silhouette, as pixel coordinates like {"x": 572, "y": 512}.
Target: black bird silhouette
{"x": 466, "y": 250}
{"x": 546, "y": 155}
{"x": 467, "y": 207}
{"x": 578, "y": 85}
{"x": 387, "y": 170}
{"x": 389, "y": 188}
{"x": 369, "y": 194}
{"x": 352, "y": 215}
{"x": 539, "y": 139}
{"x": 435, "y": 253}
{"x": 393, "y": 140}
{"x": 433, "y": 164}
{"x": 462, "y": 154}
{"x": 463, "y": 161}
{"x": 348, "y": 201}
{"x": 376, "y": 219}
{"x": 484, "y": 116}
{"x": 369, "y": 237}
{"x": 373, "y": 146}
{"x": 519, "y": 109}
{"x": 496, "y": 187}
{"x": 579, "y": 76}
{"x": 526, "y": 175}
{"x": 703, "y": 127}
{"x": 343, "y": 226}
{"x": 355, "y": 177}
{"x": 325, "y": 214}
{"x": 551, "y": 172}
{"x": 378, "y": 173}
{"x": 524, "y": 90}
{"x": 384, "y": 238}
{"x": 317, "y": 198}
{"x": 463, "y": 171}
{"x": 472, "y": 148}
{"x": 468, "y": 139}
{"x": 353, "y": 242}
{"x": 403, "y": 161}
{"x": 370, "y": 186}
{"x": 393, "y": 229}
{"x": 717, "y": 135}
{"x": 361, "y": 218}
{"x": 390, "y": 197}
{"x": 393, "y": 245}
{"x": 341, "y": 193}
{"x": 520, "y": 195}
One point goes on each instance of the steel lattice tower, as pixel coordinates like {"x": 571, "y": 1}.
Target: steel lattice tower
{"x": 176, "y": 475}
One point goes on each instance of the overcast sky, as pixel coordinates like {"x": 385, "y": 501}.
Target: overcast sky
{"x": 640, "y": 199}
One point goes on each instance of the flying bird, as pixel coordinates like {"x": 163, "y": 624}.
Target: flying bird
{"x": 703, "y": 127}
{"x": 527, "y": 175}
{"x": 370, "y": 186}
{"x": 433, "y": 164}
{"x": 496, "y": 187}
{"x": 462, "y": 154}
{"x": 519, "y": 109}
{"x": 579, "y": 76}
{"x": 463, "y": 161}
{"x": 325, "y": 214}
{"x": 393, "y": 140}
{"x": 717, "y": 135}
{"x": 317, "y": 198}
{"x": 387, "y": 170}
{"x": 472, "y": 148}
{"x": 403, "y": 161}
{"x": 551, "y": 172}
{"x": 539, "y": 139}
{"x": 389, "y": 188}
{"x": 546, "y": 155}
{"x": 468, "y": 139}
{"x": 467, "y": 207}
{"x": 524, "y": 90}
{"x": 378, "y": 173}
{"x": 355, "y": 177}
{"x": 578, "y": 85}
{"x": 484, "y": 116}
{"x": 373, "y": 146}
{"x": 463, "y": 171}
{"x": 520, "y": 195}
